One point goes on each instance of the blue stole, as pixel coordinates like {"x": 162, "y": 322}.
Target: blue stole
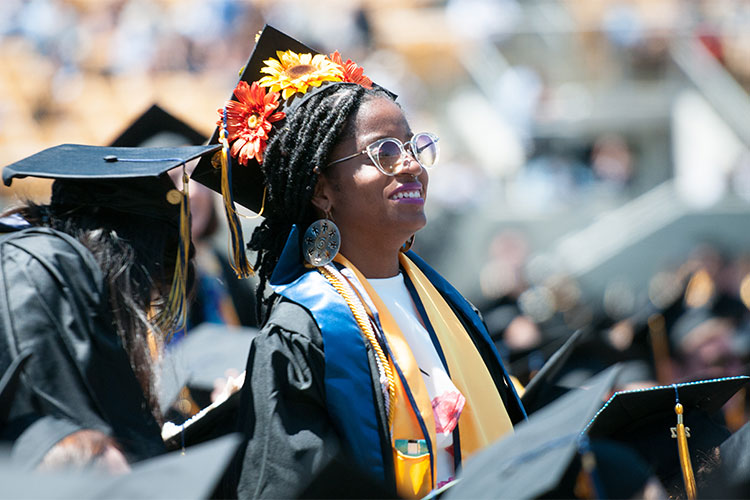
{"x": 350, "y": 396}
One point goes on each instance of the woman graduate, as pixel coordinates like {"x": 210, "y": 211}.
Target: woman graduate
{"x": 366, "y": 349}
{"x": 90, "y": 284}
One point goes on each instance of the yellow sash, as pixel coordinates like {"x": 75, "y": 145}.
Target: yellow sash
{"x": 484, "y": 418}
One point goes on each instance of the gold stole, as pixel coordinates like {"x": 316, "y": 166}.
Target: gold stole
{"x": 484, "y": 418}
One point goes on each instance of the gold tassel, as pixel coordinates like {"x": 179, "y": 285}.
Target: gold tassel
{"x": 239, "y": 262}
{"x": 174, "y": 315}
{"x": 682, "y": 433}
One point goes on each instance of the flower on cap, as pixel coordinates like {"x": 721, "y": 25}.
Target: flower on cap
{"x": 293, "y": 72}
{"x": 352, "y": 72}
{"x": 249, "y": 120}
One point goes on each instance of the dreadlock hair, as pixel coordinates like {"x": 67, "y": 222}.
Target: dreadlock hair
{"x": 305, "y": 141}
{"x": 137, "y": 259}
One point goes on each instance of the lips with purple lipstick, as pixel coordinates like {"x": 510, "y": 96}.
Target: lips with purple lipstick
{"x": 408, "y": 193}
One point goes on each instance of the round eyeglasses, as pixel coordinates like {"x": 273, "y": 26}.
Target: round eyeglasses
{"x": 387, "y": 153}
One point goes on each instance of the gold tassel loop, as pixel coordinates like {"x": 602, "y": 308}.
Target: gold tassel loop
{"x": 681, "y": 433}
{"x": 239, "y": 262}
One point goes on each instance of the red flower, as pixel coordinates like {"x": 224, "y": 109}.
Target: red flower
{"x": 249, "y": 120}
{"x": 447, "y": 408}
{"x": 352, "y": 72}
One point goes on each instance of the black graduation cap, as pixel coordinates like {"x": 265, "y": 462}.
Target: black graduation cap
{"x": 731, "y": 476}
{"x": 223, "y": 174}
{"x": 248, "y": 181}
{"x": 245, "y": 183}
{"x": 644, "y": 419}
{"x": 192, "y": 475}
{"x": 83, "y": 162}
{"x": 540, "y": 459}
{"x": 129, "y": 180}
{"x": 157, "y": 127}
{"x": 541, "y": 389}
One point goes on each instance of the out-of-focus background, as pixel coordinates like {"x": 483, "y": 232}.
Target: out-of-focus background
{"x": 595, "y": 170}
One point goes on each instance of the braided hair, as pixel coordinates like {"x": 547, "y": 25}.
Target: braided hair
{"x": 305, "y": 141}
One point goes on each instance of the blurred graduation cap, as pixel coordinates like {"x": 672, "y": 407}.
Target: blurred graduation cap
{"x": 672, "y": 427}
{"x": 542, "y": 458}
{"x": 731, "y": 477}
{"x": 157, "y": 127}
{"x": 582, "y": 355}
{"x": 541, "y": 389}
{"x": 198, "y": 359}
{"x": 245, "y": 184}
{"x": 194, "y": 475}
{"x": 133, "y": 181}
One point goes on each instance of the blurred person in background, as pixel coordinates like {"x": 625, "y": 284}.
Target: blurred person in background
{"x": 93, "y": 282}
{"x": 218, "y": 297}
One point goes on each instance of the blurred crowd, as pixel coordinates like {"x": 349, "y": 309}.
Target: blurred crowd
{"x": 77, "y": 70}
{"x": 550, "y": 114}
{"x": 691, "y": 323}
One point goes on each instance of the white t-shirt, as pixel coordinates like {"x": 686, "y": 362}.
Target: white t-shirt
{"x": 447, "y": 401}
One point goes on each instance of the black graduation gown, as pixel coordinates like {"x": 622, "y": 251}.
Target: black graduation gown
{"x": 54, "y": 305}
{"x": 294, "y": 448}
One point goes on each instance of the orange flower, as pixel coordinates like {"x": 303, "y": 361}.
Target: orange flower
{"x": 352, "y": 72}
{"x": 249, "y": 120}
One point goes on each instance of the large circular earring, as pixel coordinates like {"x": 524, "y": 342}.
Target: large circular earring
{"x": 407, "y": 244}
{"x": 321, "y": 242}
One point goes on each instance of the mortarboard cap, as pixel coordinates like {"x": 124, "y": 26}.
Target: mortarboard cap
{"x": 158, "y": 127}
{"x": 82, "y": 162}
{"x": 541, "y": 389}
{"x": 247, "y": 181}
{"x": 193, "y": 475}
{"x": 198, "y": 359}
{"x": 124, "y": 179}
{"x": 648, "y": 421}
{"x": 236, "y": 173}
{"x": 195, "y": 362}
{"x": 731, "y": 477}
{"x": 127, "y": 180}
{"x": 539, "y": 459}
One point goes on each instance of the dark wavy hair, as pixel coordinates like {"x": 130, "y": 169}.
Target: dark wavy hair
{"x": 305, "y": 141}
{"x": 137, "y": 256}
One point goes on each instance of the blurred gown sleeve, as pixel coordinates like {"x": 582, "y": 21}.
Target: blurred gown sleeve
{"x": 56, "y": 305}
{"x": 283, "y": 413}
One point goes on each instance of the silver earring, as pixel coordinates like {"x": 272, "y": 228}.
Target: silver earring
{"x": 407, "y": 244}
{"x": 321, "y": 242}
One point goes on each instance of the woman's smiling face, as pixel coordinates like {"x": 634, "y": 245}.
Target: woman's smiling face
{"x": 369, "y": 207}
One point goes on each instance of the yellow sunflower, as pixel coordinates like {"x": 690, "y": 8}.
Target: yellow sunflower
{"x": 293, "y": 72}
